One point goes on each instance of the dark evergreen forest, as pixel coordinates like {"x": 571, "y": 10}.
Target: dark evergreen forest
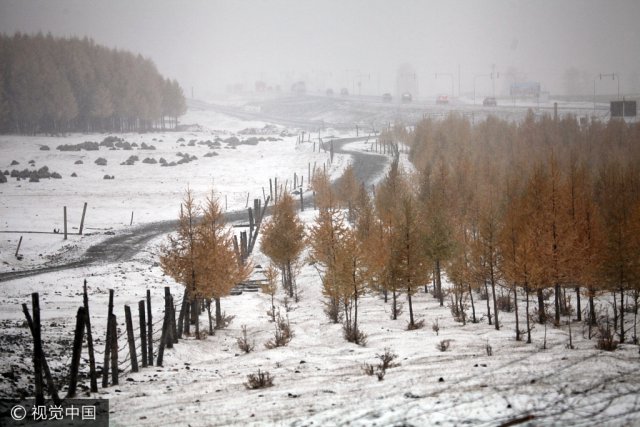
{"x": 56, "y": 85}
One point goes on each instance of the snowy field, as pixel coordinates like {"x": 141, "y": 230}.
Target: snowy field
{"x": 318, "y": 377}
{"x": 150, "y": 191}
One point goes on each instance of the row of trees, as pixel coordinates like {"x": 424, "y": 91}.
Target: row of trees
{"x": 540, "y": 207}
{"x": 57, "y": 85}
{"x": 534, "y": 210}
{"x": 541, "y": 210}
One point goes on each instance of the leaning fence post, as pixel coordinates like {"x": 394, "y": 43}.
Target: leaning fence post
{"x": 143, "y": 333}
{"x": 84, "y": 211}
{"x": 77, "y": 350}
{"x": 114, "y": 349}
{"x": 50, "y": 384}
{"x": 107, "y": 345}
{"x": 87, "y": 322}
{"x": 130, "y": 339}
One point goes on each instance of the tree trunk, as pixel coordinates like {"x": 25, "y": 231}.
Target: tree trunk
{"x": 473, "y": 307}
{"x": 486, "y": 289}
{"x": 495, "y": 302}
{"x": 621, "y": 315}
{"x": 218, "y": 314}
{"x": 515, "y": 303}
{"x": 557, "y": 303}
{"x": 395, "y": 305}
{"x": 526, "y": 290}
{"x": 439, "y": 283}
{"x": 411, "y": 324}
{"x": 578, "y": 305}
{"x": 542, "y": 317}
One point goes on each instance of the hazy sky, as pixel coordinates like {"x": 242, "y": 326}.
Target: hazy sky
{"x": 334, "y": 43}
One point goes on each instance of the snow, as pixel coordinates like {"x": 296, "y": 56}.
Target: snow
{"x": 318, "y": 377}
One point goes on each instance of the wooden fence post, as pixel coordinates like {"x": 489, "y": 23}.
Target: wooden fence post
{"x": 163, "y": 339}
{"x": 77, "y": 351}
{"x": 84, "y": 211}
{"x": 50, "y": 384}
{"x": 143, "y": 333}
{"x": 114, "y": 349}
{"x": 65, "y": 222}
{"x": 275, "y": 186}
{"x": 131, "y": 339}
{"x": 18, "y": 248}
{"x": 167, "y": 316}
{"x": 37, "y": 348}
{"x": 107, "y": 345}
{"x": 149, "y": 329}
{"x": 87, "y": 322}
{"x": 174, "y": 328}
{"x": 251, "y": 225}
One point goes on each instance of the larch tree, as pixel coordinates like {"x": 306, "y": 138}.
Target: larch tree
{"x": 216, "y": 260}
{"x": 283, "y": 240}
{"x": 178, "y": 259}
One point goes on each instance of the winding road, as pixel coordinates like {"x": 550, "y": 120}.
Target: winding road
{"x": 127, "y": 243}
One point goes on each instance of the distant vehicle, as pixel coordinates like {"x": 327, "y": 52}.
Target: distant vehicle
{"x": 329, "y": 92}
{"x": 299, "y": 87}
{"x": 406, "y": 98}
{"x": 490, "y": 102}
{"x": 344, "y": 91}
{"x": 386, "y": 97}
{"x": 442, "y": 100}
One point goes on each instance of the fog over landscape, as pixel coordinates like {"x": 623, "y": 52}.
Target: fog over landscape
{"x": 330, "y": 213}
{"x": 208, "y": 45}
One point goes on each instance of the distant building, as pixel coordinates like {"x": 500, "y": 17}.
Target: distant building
{"x": 407, "y": 80}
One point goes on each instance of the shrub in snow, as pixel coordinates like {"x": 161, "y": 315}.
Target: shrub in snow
{"x": 78, "y": 162}
{"x": 162, "y": 161}
{"x": 56, "y": 175}
{"x": 354, "y": 334}
{"x": 101, "y": 161}
{"x": 605, "y": 338}
{"x": 504, "y": 303}
{"x": 244, "y": 343}
{"x": 147, "y": 147}
{"x": 6, "y": 172}
{"x": 44, "y": 148}
{"x": 283, "y": 333}
{"x": 14, "y": 162}
{"x": 74, "y": 175}
{"x": 259, "y": 380}
{"x": 419, "y": 324}
{"x": 87, "y": 145}
{"x": 211, "y": 154}
{"x": 134, "y": 145}
{"x": 34, "y": 178}
{"x": 3, "y": 178}
{"x": 108, "y": 177}
{"x": 443, "y": 345}
{"x": 489, "y": 349}
{"x": 130, "y": 161}
{"x": 150, "y": 161}
{"x": 386, "y": 362}
{"x": 43, "y": 172}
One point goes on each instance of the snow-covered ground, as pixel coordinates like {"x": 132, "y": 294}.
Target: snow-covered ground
{"x": 149, "y": 191}
{"x": 318, "y": 377}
